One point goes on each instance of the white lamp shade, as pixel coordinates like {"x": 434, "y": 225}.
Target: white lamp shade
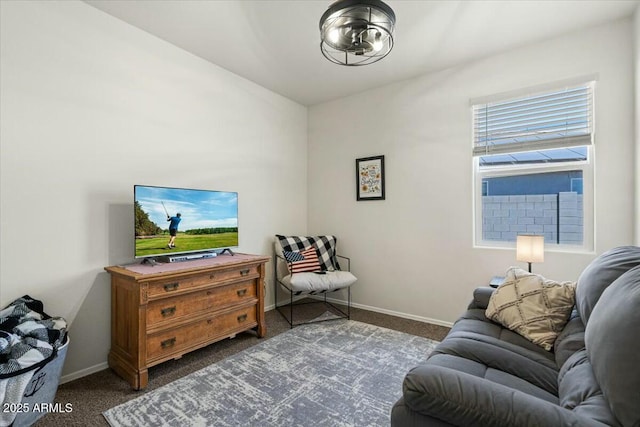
{"x": 530, "y": 248}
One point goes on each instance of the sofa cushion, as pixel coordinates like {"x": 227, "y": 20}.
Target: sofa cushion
{"x": 600, "y": 273}
{"x": 498, "y": 366}
{"x": 465, "y": 399}
{"x": 579, "y": 391}
{"x": 493, "y": 373}
{"x": 534, "y": 307}
{"x": 613, "y": 344}
{"x": 475, "y": 338}
{"x": 570, "y": 340}
{"x": 499, "y": 356}
{"x": 475, "y": 322}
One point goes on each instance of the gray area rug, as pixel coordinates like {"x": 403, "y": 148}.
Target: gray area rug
{"x": 338, "y": 373}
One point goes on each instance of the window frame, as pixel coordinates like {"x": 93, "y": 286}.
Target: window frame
{"x": 495, "y": 171}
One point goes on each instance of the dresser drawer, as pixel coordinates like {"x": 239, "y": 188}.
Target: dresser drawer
{"x": 180, "y": 285}
{"x": 186, "y": 305}
{"x": 165, "y": 344}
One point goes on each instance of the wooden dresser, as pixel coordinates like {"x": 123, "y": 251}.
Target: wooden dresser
{"x": 161, "y": 312}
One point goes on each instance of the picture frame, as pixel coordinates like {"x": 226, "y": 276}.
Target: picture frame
{"x": 370, "y": 178}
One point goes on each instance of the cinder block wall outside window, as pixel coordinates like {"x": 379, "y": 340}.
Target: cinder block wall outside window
{"x": 559, "y": 217}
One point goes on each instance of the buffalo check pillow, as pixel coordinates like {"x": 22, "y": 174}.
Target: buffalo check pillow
{"x": 300, "y": 262}
{"x": 324, "y": 245}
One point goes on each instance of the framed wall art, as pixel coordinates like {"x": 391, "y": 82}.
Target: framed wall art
{"x": 370, "y": 178}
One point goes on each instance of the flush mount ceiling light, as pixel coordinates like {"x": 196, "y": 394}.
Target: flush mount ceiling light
{"x": 357, "y": 32}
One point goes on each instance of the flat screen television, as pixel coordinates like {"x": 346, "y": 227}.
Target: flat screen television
{"x": 180, "y": 220}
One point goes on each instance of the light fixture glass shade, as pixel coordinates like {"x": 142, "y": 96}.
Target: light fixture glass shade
{"x": 357, "y": 32}
{"x": 530, "y": 248}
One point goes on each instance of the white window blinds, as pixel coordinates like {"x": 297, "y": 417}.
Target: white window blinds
{"x": 557, "y": 119}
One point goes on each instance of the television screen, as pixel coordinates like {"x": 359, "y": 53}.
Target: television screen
{"x": 180, "y": 220}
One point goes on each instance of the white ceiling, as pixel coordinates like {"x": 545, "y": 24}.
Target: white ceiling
{"x": 276, "y": 43}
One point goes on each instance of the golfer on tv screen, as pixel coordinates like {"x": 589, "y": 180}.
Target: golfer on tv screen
{"x": 173, "y": 228}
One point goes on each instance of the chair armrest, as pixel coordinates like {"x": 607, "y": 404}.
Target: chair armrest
{"x": 348, "y": 261}
{"x": 481, "y": 296}
{"x": 463, "y": 399}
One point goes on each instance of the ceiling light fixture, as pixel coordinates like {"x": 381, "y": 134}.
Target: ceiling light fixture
{"x": 357, "y": 32}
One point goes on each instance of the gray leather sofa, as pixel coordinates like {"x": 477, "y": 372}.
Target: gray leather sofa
{"x": 482, "y": 374}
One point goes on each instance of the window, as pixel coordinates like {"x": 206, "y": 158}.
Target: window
{"x": 533, "y": 167}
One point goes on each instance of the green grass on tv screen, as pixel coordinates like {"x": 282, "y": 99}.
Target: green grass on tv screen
{"x": 158, "y": 245}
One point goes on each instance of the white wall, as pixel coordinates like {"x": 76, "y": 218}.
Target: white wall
{"x": 91, "y": 106}
{"x": 636, "y": 86}
{"x": 411, "y": 255}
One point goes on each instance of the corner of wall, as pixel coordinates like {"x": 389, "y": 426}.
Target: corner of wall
{"x": 636, "y": 91}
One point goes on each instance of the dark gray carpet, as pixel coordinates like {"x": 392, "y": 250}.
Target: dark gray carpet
{"x": 337, "y": 373}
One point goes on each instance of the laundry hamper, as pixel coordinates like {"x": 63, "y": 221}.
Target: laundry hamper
{"x": 33, "y": 347}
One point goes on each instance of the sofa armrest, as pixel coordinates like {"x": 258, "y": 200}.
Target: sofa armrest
{"x": 463, "y": 399}
{"x": 481, "y": 296}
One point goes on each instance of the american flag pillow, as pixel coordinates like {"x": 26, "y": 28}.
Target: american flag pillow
{"x": 305, "y": 260}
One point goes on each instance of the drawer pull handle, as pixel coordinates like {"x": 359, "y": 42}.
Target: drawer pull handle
{"x": 244, "y": 272}
{"x": 242, "y": 292}
{"x": 242, "y": 318}
{"x": 169, "y": 311}
{"x": 168, "y": 343}
{"x": 171, "y": 286}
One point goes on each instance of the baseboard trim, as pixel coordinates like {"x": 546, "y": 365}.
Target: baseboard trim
{"x": 391, "y": 312}
{"x": 84, "y": 372}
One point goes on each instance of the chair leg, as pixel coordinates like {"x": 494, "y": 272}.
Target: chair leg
{"x": 281, "y": 308}
{"x": 349, "y": 303}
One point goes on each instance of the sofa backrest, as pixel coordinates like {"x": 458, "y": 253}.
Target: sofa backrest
{"x": 612, "y": 339}
{"x": 600, "y": 274}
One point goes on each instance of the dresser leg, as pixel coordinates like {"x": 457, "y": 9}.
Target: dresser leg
{"x": 142, "y": 380}
{"x": 138, "y": 378}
